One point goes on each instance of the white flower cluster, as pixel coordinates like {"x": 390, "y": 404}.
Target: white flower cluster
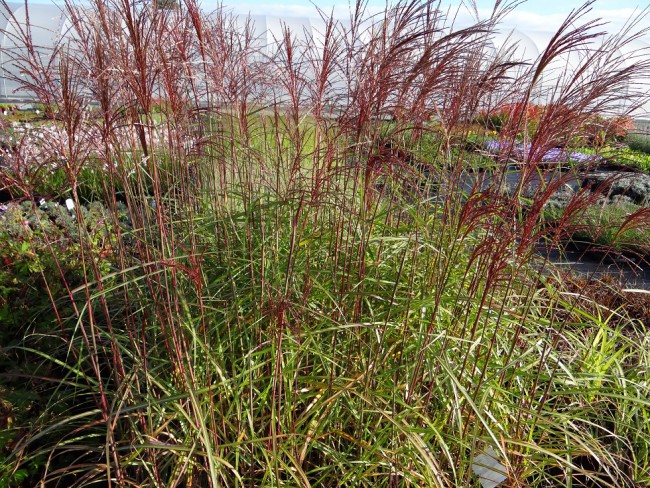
{"x": 25, "y": 146}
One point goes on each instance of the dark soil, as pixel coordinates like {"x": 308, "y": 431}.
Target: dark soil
{"x": 607, "y": 293}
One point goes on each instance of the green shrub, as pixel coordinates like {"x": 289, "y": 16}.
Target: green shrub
{"x": 615, "y": 228}
{"x": 639, "y": 142}
{"x": 42, "y": 252}
{"x": 41, "y": 247}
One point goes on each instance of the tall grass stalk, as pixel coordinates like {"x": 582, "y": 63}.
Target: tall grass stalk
{"x": 301, "y": 288}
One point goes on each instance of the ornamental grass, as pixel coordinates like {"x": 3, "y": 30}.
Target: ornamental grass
{"x": 284, "y": 280}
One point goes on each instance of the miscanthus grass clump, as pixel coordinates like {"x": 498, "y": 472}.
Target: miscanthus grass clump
{"x": 300, "y": 289}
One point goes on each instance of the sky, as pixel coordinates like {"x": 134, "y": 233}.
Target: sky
{"x": 531, "y": 14}
{"x": 537, "y": 15}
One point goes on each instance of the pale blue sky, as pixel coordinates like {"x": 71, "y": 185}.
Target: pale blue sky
{"x": 540, "y": 15}
{"x": 536, "y": 6}
{"x": 284, "y": 7}
{"x": 532, "y": 14}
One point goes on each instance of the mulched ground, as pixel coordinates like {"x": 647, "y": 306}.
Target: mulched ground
{"x": 607, "y": 293}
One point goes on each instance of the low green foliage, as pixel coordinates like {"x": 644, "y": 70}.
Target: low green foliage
{"x": 626, "y": 155}
{"x": 639, "y": 142}
{"x": 610, "y": 228}
{"x": 634, "y": 157}
{"x": 41, "y": 254}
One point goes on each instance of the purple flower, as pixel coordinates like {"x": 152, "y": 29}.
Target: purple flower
{"x": 493, "y": 145}
{"x": 554, "y": 154}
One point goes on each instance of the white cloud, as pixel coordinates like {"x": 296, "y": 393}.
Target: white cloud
{"x": 521, "y": 17}
{"x": 340, "y": 10}
{"x": 613, "y": 20}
